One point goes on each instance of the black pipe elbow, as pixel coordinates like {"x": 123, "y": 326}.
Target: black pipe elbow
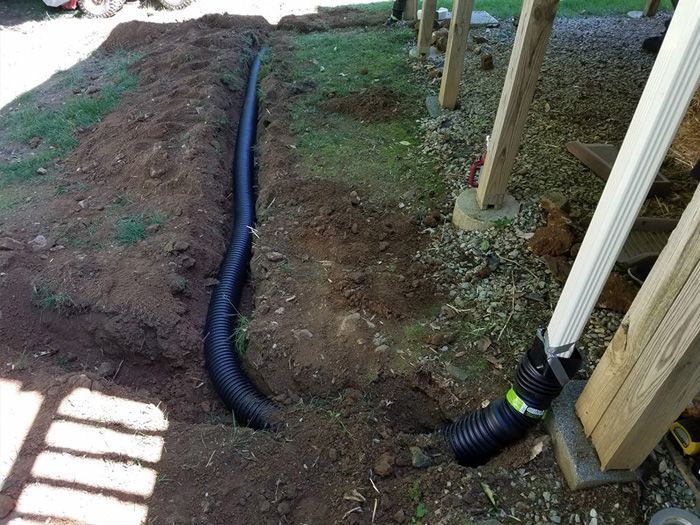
{"x": 482, "y": 434}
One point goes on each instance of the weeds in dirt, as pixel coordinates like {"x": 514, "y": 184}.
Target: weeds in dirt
{"x": 240, "y": 334}
{"x": 340, "y": 63}
{"x": 416, "y": 495}
{"x": 131, "y": 229}
{"x": 336, "y": 416}
{"x": 46, "y": 299}
{"x": 56, "y": 126}
{"x": 76, "y": 187}
{"x": 286, "y": 267}
{"x": 22, "y": 361}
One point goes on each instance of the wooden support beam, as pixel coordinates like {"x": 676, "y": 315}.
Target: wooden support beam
{"x": 454, "y": 56}
{"x": 410, "y": 12}
{"x": 531, "y": 40}
{"x": 425, "y": 30}
{"x": 651, "y": 7}
{"x": 651, "y": 369}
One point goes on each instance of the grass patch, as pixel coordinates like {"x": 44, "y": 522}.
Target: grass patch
{"x": 131, "y": 229}
{"x": 47, "y": 299}
{"x": 57, "y": 126}
{"x": 240, "y": 334}
{"x": 375, "y": 155}
{"x": 568, "y": 8}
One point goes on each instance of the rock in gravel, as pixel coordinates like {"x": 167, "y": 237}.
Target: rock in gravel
{"x": 7, "y": 504}
{"x": 384, "y": 466}
{"x": 420, "y": 459}
{"x": 275, "y": 256}
{"x": 107, "y": 369}
{"x": 41, "y": 171}
{"x": 354, "y": 198}
{"x": 8, "y": 244}
{"x": 38, "y": 243}
{"x": 354, "y": 228}
{"x": 486, "y": 62}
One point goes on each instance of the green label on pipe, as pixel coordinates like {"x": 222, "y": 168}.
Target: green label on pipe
{"x": 519, "y": 405}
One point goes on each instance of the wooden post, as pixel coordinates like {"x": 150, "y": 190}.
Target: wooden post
{"x": 410, "y": 12}
{"x": 651, "y": 369}
{"x": 425, "y": 30}
{"x": 651, "y": 7}
{"x": 535, "y": 25}
{"x": 454, "y": 56}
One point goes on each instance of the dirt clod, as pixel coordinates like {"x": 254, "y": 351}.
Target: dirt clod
{"x": 384, "y": 466}
{"x": 372, "y": 105}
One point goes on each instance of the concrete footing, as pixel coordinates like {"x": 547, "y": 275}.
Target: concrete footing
{"x": 575, "y": 455}
{"x": 467, "y": 215}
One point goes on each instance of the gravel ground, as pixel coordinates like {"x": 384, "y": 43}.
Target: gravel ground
{"x": 591, "y": 80}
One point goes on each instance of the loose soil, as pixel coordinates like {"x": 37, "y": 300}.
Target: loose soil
{"x": 345, "y": 330}
{"x": 373, "y": 105}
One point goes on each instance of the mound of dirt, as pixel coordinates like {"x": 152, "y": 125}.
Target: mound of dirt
{"x": 374, "y": 105}
{"x": 133, "y": 243}
{"x": 331, "y": 18}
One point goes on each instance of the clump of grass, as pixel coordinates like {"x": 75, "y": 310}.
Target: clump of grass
{"x": 57, "y": 126}
{"x": 416, "y": 495}
{"x": 47, "y": 299}
{"x": 240, "y": 334}
{"x": 131, "y": 229}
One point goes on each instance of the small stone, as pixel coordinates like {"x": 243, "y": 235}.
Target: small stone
{"x": 478, "y": 39}
{"x": 663, "y": 466}
{"x": 265, "y": 506}
{"x": 7, "y": 505}
{"x": 302, "y": 334}
{"x": 92, "y": 89}
{"x": 332, "y": 454}
{"x": 181, "y": 246}
{"x": 275, "y": 256}
{"x": 41, "y": 171}
{"x": 384, "y": 466}
{"x": 486, "y": 62}
{"x": 38, "y": 243}
{"x": 593, "y": 513}
{"x": 187, "y": 262}
{"x": 381, "y": 348}
{"x": 358, "y": 277}
{"x": 354, "y": 228}
{"x": 177, "y": 284}
{"x": 420, "y": 459}
{"x": 107, "y": 369}
{"x": 383, "y": 246}
{"x": 354, "y": 198}
{"x": 399, "y": 516}
{"x": 284, "y": 508}
{"x": 152, "y": 228}
{"x": 546, "y": 496}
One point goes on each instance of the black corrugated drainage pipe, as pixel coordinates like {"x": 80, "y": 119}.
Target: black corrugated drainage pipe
{"x": 249, "y": 406}
{"x": 479, "y": 436}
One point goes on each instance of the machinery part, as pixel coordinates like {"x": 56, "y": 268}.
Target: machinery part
{"x": 674, "y": 516}
{"x": 175, "y": 4}
{"x": 100, "y": 8}
{"x": 249, "y": 406}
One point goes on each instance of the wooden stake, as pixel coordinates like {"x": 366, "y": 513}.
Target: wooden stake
{"x": 454, "y": 56}
{"x": 425, "y": 30}
{"x": 651, "y": 7}
{"x": 531, "y": 40}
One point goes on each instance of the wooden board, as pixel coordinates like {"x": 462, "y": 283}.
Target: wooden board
{"x": 526, "y": 59}
{"x": 454, "y": 56}
{"x": 410, "y": 12}
{"x": 651, "y": 7}
{"x": 425, "y": 30}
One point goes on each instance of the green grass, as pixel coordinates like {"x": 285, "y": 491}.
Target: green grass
{"x": 47, "y": 299}
{"x": 376, "y": 156}
{"x": 131, "y": 229}
{"x": 240, "y": 334}
{"x": 568, "y": 8}
{"x": 57, "y": 125}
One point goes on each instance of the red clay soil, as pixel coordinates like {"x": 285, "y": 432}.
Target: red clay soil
{"x": 329, "y": 320}
{"x": 331, "y": 18}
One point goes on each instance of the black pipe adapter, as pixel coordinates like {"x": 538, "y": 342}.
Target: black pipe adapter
{"x": 481, "y": 435}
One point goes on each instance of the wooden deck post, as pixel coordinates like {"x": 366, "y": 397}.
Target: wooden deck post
{"x": 410, "y": 12}
{"x": 651, "y": 7}
{"x": 531, "y": 40}
{"x": 425, "y": 30}
{"x": 651, "y": 369}
{"x": 454, "y": 56}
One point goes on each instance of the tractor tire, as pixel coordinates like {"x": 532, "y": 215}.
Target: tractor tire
{"x": 175, "y": 4}
{"x": 100, "y": 8}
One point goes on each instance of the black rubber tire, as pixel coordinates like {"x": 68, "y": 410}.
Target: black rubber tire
{"x": 175, "y": 4}
{"x": 100, "y": 8}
